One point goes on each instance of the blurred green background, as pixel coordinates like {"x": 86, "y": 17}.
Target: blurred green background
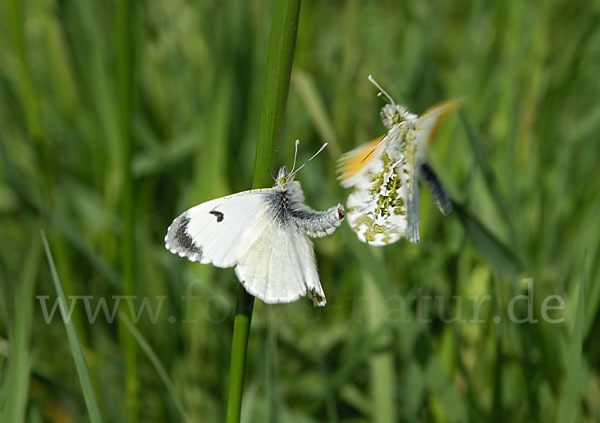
{"x": 173, "y": 92}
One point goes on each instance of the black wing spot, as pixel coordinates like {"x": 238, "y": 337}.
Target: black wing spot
{"x": 183, "y": 240}
{"x": 218, "y": 215}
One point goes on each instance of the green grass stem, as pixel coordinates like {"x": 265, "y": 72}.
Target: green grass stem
{"x": 280, "y": 55}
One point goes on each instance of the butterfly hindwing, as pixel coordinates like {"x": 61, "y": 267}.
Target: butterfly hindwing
{"x": 413, "y": 217}
{"x": 280, "y": 267}
{"x": 377, "y": 206}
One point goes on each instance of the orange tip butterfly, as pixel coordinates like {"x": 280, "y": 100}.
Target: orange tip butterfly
{"x": 384, "y": 204}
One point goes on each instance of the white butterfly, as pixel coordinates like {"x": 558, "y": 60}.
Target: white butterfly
{"x": 384, "y": 173}
{"x": 264, "y": 234}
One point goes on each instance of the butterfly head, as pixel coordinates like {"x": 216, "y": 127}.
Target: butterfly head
{"x": 284, "y": 176}
{"x": 393, "y": 114}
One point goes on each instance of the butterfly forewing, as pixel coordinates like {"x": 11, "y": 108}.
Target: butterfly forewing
{"x": 352, "y": 164}
{"x": 429, "y": 123}
{"x": 219, "y": 231}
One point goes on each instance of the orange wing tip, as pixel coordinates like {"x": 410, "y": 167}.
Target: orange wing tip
{"x": 443, "y": 109}
{"x": 351, "y": 163}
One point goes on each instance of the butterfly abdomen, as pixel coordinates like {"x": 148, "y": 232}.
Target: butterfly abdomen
{"x": 288, "y": 207}
{"x": 315, "y": 223}
{"x": 442, "y": 201}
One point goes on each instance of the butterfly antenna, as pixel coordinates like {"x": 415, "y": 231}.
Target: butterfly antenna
{"x": 382, "y": 92}
{"x": 295, "y": 156}
{"x": 313, "y": 156}
{"x": 373, "y": 150}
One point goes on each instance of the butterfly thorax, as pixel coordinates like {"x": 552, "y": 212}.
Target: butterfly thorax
{"x": 290, "y": 194}
{"x": 286, "y": 206}
{"x": 289, "y": 191}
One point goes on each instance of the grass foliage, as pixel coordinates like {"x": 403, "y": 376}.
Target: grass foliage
{"x": 108, "y": 131}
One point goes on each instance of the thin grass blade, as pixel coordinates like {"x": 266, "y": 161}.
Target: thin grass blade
{"x": 80, "y": 363}
{"x": 567, "y": 407}
{"x": 15, "y": 389}
{"x": 162, "y": 373}
{"x": 493, "y": 249}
